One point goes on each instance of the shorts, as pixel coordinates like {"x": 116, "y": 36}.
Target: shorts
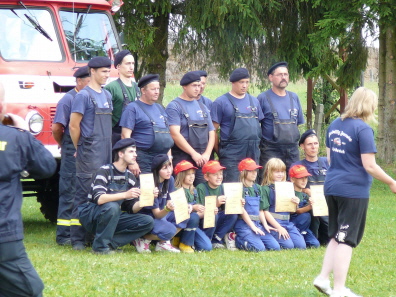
{"x": 347, "y": 219}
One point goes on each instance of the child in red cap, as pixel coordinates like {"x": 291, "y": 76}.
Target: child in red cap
{"x": 253, "y": 232}
{"x": 185, "y": 176}
{"x": 222, "y": 232}
{"x": 302, "y": 218}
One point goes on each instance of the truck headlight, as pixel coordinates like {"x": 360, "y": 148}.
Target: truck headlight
{"x": 35, "y": 122}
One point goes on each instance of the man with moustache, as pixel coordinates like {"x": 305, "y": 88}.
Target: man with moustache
{"x": 146, "y": 121}
{"x": 282, "y": 116}
{"x": 90, "y": 130}
{"x": 191, "y": 126}
{"x": 67, "y": 172}
{"x": 115, "y": 187}
{"x": 238, "y": 115}
{"x": 123, "y": 90}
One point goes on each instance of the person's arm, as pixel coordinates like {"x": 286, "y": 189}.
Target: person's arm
{"x": 57, "y": 132}
{"x": 376, "y": 171}
{"x": 270, "y": 219}
{"x": 249, "y": 222}
{"x": 264, "y": 222}
{"x": 131, "y": 193}
{"x": 182, "y": 143}
{"x": 160, "y": 213}
{"x": 126, "y": 133}
{"x": 209, "y": 147}
{"x": 216, "y": 140}
{"x": 304, "y": 209}
{"x": 74, "y": 126}
{"x": 328, "y": 154}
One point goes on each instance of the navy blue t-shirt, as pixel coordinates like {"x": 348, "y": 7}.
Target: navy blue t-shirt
{"x": 62, "y": 115}
{"x": 177, "y": 118}
{"x": 313, "y": 167}
{"x": 222, "y": 112}
{"x": 347, "y": 140}
{"x": 134, "y": 118}
{"x": 206, "y": 101}
{"x": 83, "y": 104}
{"x": 283, "y": 108}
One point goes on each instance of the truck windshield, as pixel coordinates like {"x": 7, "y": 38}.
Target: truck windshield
{"x": 22, "y": 37}
{"x": 89, "y": 35}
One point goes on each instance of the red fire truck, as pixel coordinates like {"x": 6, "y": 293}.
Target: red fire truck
{"x": 42, "y": 43}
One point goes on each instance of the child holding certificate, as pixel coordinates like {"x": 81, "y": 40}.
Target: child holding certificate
{"x": 302, "y": 218}
{"x": 165, "y": 227}
{"x": 286, "y": 232}
{"x": 185, "y": 176}
{"x": 213, "y": 174}
{"x": 253, "y": 232}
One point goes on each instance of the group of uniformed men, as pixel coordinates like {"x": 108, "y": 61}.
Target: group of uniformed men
{"x": 90, "y": 119}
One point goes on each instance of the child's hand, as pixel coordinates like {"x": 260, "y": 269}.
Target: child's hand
{"x": 257, "y": 231}
{"x": 216, "y": 211}
{"x": 283, "y": 232}
{"x": 133, "y": 193}
{"x": 311, "y": 201}
{"x": 156, "y": 192}
{"x": 295, "y": 200}
{"x": 221, "y": 200}
{"x": 198, "y": 208}
{"x": 243, "y": 201}
{"x": 170, "y": 205}
{"x": 190, "y": 208}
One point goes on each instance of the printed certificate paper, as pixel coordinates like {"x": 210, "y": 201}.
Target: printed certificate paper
{"x": 209, "y": 215}
{"x": 319, "y": 207}
{"x": 284, "y": 192}
{"x": 147, "y": 189}
{"x": 233, "y": 192}
{"x": 181, "y": 206}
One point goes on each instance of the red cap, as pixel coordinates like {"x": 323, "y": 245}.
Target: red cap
{"x": 183, "y": 166}
{"x": 212, "y": 167}
{"x": 298, "y": 171}
{"x": 248, "y": 164}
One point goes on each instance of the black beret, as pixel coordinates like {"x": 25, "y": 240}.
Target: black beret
{"x": 276, "y": 65}
{"x": 123, "y": 143}
{"x": 99, "y": 62}
{"x": 189, "y": 78}
{"x": 238, "y": 74}
{"x": 145, "y": 80}
{"x": 202, "y": 73}
{"x": 158, "y": 160}
{"x": 306, "y": 134}
{"x": 81, "y": 72}
{"x": 120, "y": 56}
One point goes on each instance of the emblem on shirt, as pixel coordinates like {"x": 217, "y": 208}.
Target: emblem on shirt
{"x": 337, "y": 141}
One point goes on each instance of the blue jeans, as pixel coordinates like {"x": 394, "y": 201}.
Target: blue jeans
{"x": 111, "y": 227}
{"x": 224, "y": 224}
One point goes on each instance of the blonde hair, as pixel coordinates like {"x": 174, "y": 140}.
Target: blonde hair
{"x": 273, "y": 164}
{"x": 361, "y": 105}
{"x": 242, "y": 177}
{"x": 180, "y": 178}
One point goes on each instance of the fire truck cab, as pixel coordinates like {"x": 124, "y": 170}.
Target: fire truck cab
{"x": 42, "y": 43}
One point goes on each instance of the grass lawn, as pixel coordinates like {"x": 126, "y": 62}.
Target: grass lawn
{"x": 218, "y": 273}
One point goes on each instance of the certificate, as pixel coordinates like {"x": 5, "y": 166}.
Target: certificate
{"x": 233, "y": 192}
{"x": 147, "y": 190}
{"x": 319, "y": 207}
{"x": 181, "y": 206}
{"x": 209, "y": 213}
{"x": 284, "y": 192}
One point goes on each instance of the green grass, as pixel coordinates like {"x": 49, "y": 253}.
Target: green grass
{"x": 218, "y": 273}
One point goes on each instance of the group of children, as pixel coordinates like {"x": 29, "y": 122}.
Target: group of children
{"x": 258, "y": 228}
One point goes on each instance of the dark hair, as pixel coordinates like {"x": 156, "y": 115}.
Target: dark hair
{"x": 116, "y": 156}
{"x": 156, "y": 176}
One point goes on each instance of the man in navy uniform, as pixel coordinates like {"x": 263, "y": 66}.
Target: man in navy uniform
{"x": 203, "y": 74}
{"x": 282, "y": 115}
{"x": 67, "y": 173}
{"x": 19, "y": 151}
{"x": 238, "y": 116}
{"x": 90, "y": 130}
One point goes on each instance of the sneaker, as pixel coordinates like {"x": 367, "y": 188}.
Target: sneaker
{"x": 345, "y": 293}
{"x": 323, "y": 285}
{"x": 185, "y": 248}
{"x": 229, "y": 239}
{"x": 218, "y": 245}
{"x": 142, "y": 245}
{"x": 175, "y": 241}
{"x": 165, "y": 246}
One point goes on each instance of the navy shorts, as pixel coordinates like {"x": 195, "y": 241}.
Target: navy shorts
{"x": 347, "y": 219}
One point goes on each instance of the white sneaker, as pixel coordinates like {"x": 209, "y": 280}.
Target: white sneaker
{"x": 165, "y": 246}
{"x": 345, "y": 293}
{"x": 323, "y": 285}
{"x": 229, "y": 239}
{"x": 142, "y": 245}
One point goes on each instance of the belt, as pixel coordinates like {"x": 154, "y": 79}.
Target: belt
{"x": 280, "y": 217}
{"x": 252, "y": 217}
